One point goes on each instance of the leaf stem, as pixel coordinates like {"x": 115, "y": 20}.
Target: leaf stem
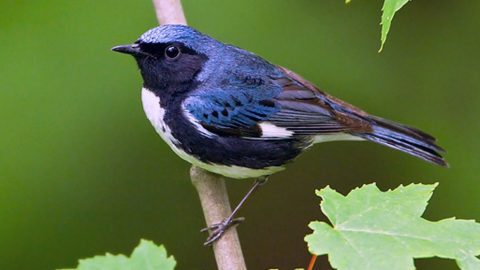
{"x": 311, "y": 264}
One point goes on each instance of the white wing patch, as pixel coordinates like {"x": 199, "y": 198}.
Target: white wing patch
{"x": 270, "y": 130}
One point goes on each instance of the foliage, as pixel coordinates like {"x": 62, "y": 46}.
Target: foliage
{"x": 390, "y": 7}
{"x": 146, "y": 256}
{"x": 373, "y": 230}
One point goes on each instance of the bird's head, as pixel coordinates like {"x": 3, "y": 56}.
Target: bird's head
{"x": 169, "y": 55}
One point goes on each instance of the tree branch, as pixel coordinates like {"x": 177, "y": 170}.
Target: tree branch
{"x": 169, "y": 12}
{"x": 216, "y": 207}
{"x": 210, "y": 187}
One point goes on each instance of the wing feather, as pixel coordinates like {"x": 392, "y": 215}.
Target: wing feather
{"x": 284, "y": 100}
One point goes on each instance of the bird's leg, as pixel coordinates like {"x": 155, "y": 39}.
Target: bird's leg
{"x": 218, "y": 229}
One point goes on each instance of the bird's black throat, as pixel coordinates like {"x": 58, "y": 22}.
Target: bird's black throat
{"x": 169, "y": 77}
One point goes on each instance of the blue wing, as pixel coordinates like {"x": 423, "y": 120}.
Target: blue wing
{"x": 278, "y": 102}
{"x": 232, "y": 112}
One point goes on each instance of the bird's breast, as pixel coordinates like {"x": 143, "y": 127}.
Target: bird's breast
{"x": 156, "y": 115}
{"x": 229, "y": 156}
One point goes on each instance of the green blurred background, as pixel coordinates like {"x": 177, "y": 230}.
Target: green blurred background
{"x": 82, "y": 172}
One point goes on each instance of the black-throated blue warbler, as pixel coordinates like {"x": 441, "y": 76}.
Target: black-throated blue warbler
{"x": 233, "y": 113}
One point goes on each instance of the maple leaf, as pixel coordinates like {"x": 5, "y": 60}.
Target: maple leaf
{"x": 374, "y": 230}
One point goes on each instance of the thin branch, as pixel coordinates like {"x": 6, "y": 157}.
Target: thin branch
{"x": 216, "y": 207}
{"x": 169, "y": 12}
{"x": 210, "y": 187}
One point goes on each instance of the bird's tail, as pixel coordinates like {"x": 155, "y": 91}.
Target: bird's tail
{"x": 406, "y": 139}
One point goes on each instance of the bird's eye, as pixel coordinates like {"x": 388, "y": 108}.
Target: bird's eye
{"x": 172, "y": 52}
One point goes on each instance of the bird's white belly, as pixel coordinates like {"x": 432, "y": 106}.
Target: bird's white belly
{"x": 155, "y": 113}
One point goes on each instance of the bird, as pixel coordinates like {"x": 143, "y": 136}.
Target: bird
{"x": 233, "y": 113}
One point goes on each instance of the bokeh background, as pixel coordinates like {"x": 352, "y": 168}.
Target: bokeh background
{"x": 82, "y": 172}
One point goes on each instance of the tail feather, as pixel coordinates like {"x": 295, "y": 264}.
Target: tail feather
{"x": 406, "y": 139}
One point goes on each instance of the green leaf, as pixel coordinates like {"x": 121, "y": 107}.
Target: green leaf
{"x": 374, "y": 230}
{"x": 146, "y": 256}
{"x": 390, "y": 7}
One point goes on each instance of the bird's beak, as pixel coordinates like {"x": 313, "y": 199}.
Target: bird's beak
{"x": 132, "y": 49}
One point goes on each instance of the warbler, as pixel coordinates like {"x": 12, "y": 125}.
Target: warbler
{"x": 233, "y": 113}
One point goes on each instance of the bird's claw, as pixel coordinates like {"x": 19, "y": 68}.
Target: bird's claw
{"x": 218, "y": 229}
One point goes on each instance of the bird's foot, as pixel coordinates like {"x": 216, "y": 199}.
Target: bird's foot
{"x": 218, "y": 229}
